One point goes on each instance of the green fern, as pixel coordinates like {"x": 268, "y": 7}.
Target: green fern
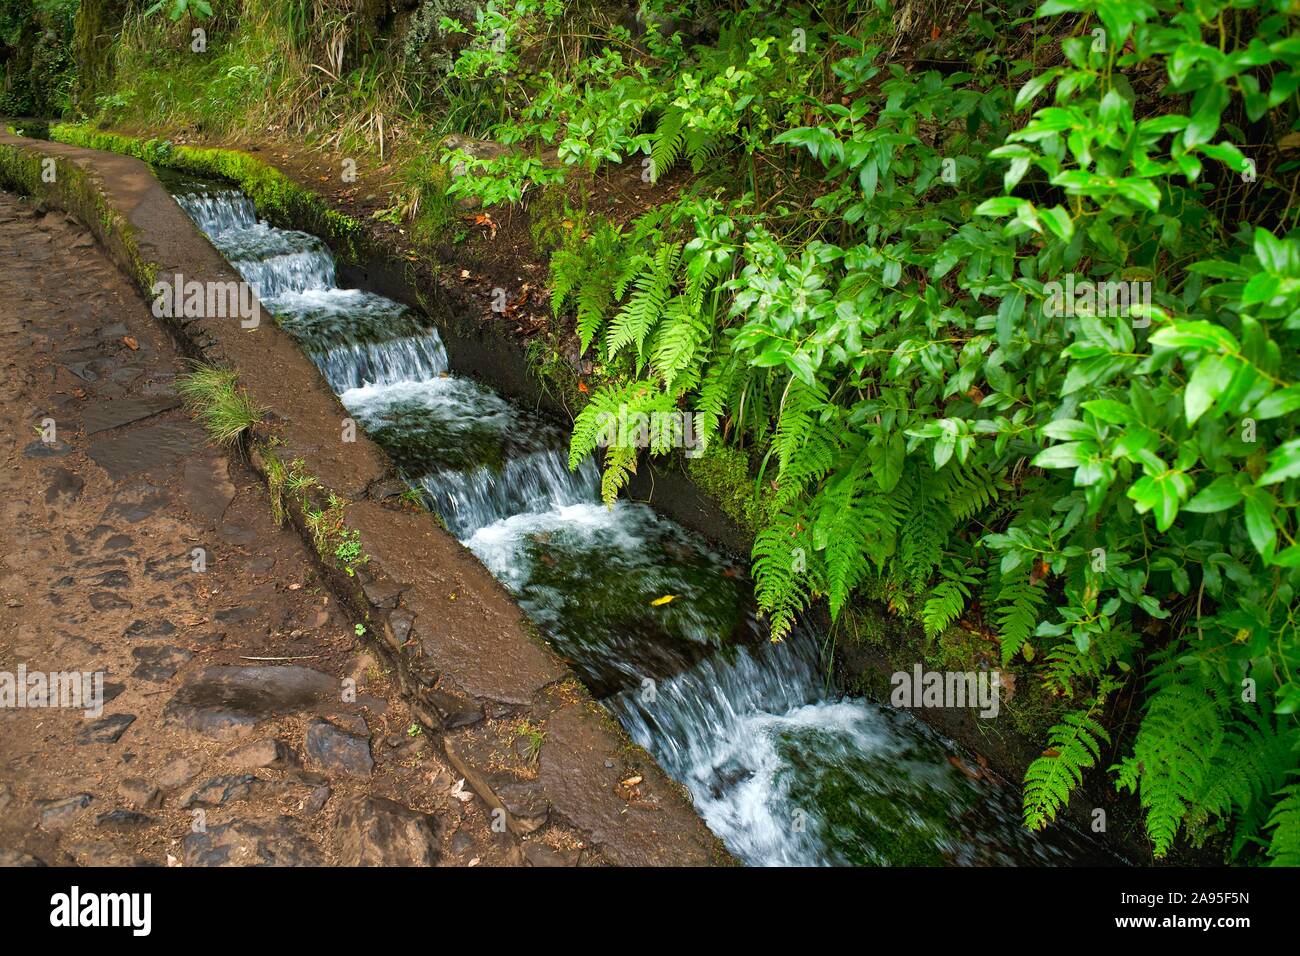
{"x": 1256, "y": 756}
{"x": 713, "y": 397}
{"x": 926, "y": 529}
{"x": 967, "y": 490}
{"x": 1181, "y": 733}
{"x": 1284, "y": 821}
{"x": 666, "y": 145}
{"x": 652, "y": 290}
{"x": 947, "y": 600}
{"x": 1069, "y": 666}
{"x": 786, "y": 570}
{"x": 1074, "y": 745}
{"x": 611, "y": 403}
{"x": 1016, "y": 612}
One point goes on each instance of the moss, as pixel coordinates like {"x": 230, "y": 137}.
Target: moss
{"x": 556, "y": 374}
{"x": 97, "y": 27}
{"x": 552, "y": 220}
{"x": 278, "y": 199}
{"x": 872, "y": 810}
{"x": 723, "y": 472}
{"x": 1030, "y": 709}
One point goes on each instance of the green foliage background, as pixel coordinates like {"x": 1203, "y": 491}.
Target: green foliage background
{"x": 36, "y": 60}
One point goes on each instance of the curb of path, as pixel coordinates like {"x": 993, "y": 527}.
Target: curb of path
{"x": 466, "y": 656}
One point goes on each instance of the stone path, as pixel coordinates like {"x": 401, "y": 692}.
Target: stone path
{"x": 245, "y": 722}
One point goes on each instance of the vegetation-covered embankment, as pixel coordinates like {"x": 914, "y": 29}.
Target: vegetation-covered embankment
{"x": 991, "y": 316}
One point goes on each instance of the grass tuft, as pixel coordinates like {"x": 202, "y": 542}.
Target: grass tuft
{"x": 226, "y": 410}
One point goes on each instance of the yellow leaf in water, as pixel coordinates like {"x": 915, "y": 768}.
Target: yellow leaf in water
{"x": 663, "y": 600}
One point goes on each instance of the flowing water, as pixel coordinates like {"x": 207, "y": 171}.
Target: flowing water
{"x": 782, "y": 767}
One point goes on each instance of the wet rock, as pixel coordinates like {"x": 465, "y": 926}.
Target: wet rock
{"x": 207, "y": 488}
{"x": 227, "y": 702}
{"x": 525, "y": 802}
{"x": 219, "y": 791}
{"x": 169, "y": 568}
{"x": 65, "y": 485}
{"x": 145, "y": 630}
{"x": 455, "y": 710}
{"x": 245, "y": 843}
{"x": 381, "y": 593}
{"x": 539, "y": 854}
{"x": 41, "y": 449}
{"x": 106, "y": 730}
{"x": 315, "y": 803}
{"x": 102, "y": 416}
{"x": 56, "y": 814}
{"x": 178, "y": 772}
{"x": 139, "y": 793}
{"x": 136, "y": 502}
{"x": 153, "y": 448}
{"x": 399, "y": 627}
{"x": 112, "y": 579}
{"x": 123, "y": 818}
{"x": 268, "y": 753}
{"x": 159, "y": 664}
{"x": 15, "y": 858}
{"x": 352, "y": 723}
{"x": 334, "y": 748}
{"x": 108, "y": 601}
{"x": 235, "y": 615}
{"x": 373, "y": 831}
{"x": 658, "y": 829}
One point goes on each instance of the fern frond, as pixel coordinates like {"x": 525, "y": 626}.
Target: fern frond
{"x": 800, "y": 412}
{"x": 1284, "y": 821}
{"x": 1067, "y": 665}
{"x": 620, "y": 466}
{"x": 608, "y": 407}
{"x": 678, "y": 345}
{"x": 947, "y": 600}
{"x": 1180, "y": 734}
{"x": 926, "y": 529}
{"x": 652, "y": 289}
{"x": 712, "y": 398}
{"x": 666, "y": 147}
{"x": 701, "y": 146}
{"x": 567, "y": 269}
{"x": 593, "y": 300}
{"x": 1016, "y": 612}
{"x": 967, "y": 490}
{"x": 786, "y": 572}
{"x": 1073, "y": 747}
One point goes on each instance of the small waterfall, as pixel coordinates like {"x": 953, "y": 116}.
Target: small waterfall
{"x": 790, "y": 774}
{"x": 273, "y": 261}
{"x": 293, "y": 271}
{"x": 656, "y": 623}
{"x": 358, "y": 364}
{"x": 536, "y": 482}
{"x": 218, "y": 210}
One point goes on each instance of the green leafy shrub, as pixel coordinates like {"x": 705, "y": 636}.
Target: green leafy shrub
{"x": 1028, "y": 363}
